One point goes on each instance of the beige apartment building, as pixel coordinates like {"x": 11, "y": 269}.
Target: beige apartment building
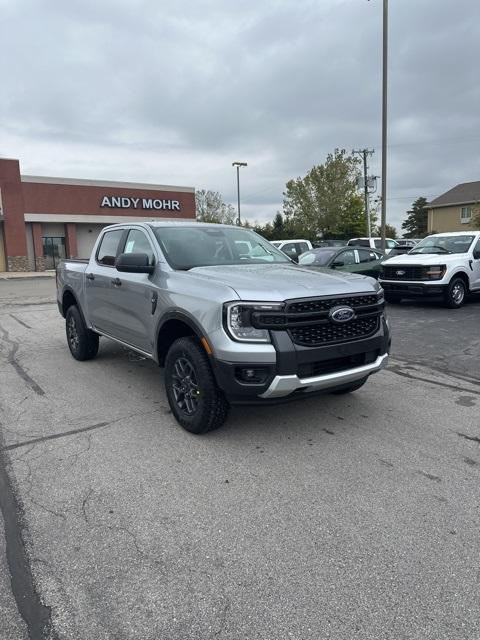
{"x": 455, "y": 210}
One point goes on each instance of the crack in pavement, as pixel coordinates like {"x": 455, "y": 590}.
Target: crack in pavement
{"x": 399, "y": 372}
{"x": 20, "y": 321}
{"x": 72, "y": 432}
{"x": 55, "y": 436}
{"x": 11, "y": 359}
{"x": 445, "y": 370}
{"x": 36, "y": 615}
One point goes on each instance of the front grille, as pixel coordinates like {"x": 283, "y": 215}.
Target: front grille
{"x": 325, "y": 304}
{"x": 329, "y": 333}
{"x": 308, "y": 324}
{"x": 406, "y": 273}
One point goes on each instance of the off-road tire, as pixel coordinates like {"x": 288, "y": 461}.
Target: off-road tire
{"x": 351, "y": 387}
{"x": 453, "y": 296}
{"x": 392, "y": 298}
{"x": 211, "y": 407}
{"x": 82, "y": 342}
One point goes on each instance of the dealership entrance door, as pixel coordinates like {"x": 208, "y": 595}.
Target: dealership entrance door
{"x": 53, "y": 251}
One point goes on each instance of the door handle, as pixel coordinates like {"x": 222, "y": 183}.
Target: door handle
{"x": 117, "y": 282}
{"x": 90, "y": 276}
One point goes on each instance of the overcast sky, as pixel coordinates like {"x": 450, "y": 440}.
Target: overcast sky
{"x": 171, "y": 92}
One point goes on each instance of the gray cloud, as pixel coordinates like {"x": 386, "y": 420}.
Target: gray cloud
{"x": 174, "y": 91}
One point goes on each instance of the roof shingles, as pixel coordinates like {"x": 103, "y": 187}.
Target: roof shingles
{"x": 464, "y": 193}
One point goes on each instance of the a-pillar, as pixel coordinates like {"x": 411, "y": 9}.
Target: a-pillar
{"x": 71, "y": 240}
{"x": 13, "y": 215}
{"x": 38, "y": 246}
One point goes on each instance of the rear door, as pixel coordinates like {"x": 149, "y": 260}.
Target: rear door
{"x": 349, "y": 260}
{"x": 369, "y": 262}
{"x": 98, "y": 281}
{"x": 134, "y": 296}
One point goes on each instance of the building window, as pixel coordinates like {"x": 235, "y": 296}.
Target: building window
{"x": 466, "y": 214}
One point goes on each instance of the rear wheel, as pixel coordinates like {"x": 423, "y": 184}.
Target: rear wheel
{"x": 351, "y": 387}
{"x": 455, "y": 293}
{"x": 82, "y": 342}
{"x": 194, "y": 398}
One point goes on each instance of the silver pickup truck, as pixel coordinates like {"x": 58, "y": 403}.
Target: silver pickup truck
{"x": 228, "y": 315}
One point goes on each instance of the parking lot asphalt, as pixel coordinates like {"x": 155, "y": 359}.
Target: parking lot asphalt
{"x": 332, "y": 517}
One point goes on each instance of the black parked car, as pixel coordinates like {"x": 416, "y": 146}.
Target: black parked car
{"x": 367, "y": 262}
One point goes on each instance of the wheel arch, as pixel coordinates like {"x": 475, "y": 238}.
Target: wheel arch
{"x": 68, "y": 299}
{"x": 464, "y": 276}
{"x": 175, "y": 325}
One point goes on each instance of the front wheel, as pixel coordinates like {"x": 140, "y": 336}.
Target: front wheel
{"x": 194, "y": 398}
{"x": 82, "y": 342}
{"x": 455, "y": 293}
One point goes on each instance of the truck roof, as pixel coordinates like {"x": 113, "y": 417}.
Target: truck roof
{"x": 172, "y": 223}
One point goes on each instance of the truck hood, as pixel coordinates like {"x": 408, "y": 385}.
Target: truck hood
{"x": 278, "y": 282}
{"x": 426, "y": 259}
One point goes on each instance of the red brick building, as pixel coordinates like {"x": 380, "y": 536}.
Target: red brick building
{"x": 43, "y": 220}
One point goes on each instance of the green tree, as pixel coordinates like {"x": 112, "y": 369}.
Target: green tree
{"x": 278, "y": 227}
{"x": 415, "y": 225}
{"x": 390, "y": 231}
{"x": 353, "y": 223}
{"x": 318, "y": 202}
{"x": 210, "y": 207}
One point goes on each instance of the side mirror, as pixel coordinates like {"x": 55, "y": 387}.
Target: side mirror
{"x": 134, "y": 263}
{"x": 337, "y": 263}
{"x": 476, "y": 254}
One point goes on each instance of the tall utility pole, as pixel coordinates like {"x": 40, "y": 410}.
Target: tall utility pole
{"x": 365, "y": 153}
{"x": 384, "y": 123}
{"x": 238, "y": 165}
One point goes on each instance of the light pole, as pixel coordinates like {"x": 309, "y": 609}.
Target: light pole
{"x": 384, "y": 123}
{"x": 238, "y": 165}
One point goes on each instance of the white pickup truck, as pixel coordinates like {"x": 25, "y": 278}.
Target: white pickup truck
{"x": 446, "y": 264}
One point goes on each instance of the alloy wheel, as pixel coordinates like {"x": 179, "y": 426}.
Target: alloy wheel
{"x": 458, "y": 292}
{"x": 73, "y": 338}
{"x": 185, "y": 386}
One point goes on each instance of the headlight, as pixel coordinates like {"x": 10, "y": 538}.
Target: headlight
{"x": 436, "y": 272}
{"x": 238, "y": 320}
{"x": 380, "y": 296}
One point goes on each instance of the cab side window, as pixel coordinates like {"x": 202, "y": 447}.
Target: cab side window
{"x": 365, "y": 256}
{"x": 137, "y": 242}
{"x": 476, "y": 250}
{"x": 290, "y": 249}
{"x": 108, "y": 249}
{"x": 347, "y": 257}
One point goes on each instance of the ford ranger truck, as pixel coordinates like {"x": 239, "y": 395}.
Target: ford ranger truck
{"x": 230, "y": 317}
{"x": 443, "y": 264}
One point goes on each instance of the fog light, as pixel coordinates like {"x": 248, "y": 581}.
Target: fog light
{"x": 252, "y": 375}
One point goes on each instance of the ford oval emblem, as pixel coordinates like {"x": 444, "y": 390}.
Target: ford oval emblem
{"x": 400, "y": 272}
{"x": 341, "y": 314}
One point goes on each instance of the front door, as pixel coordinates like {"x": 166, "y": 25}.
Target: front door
{"x": 476, "y": 267}
{"x": 134, "y": 297}
{"x": 53, "y": 251}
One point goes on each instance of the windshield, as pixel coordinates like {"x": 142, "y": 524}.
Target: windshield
{"x": 318, "y": 258}
{"x": 444, "y": 244}
{"x": 199, "y": 246}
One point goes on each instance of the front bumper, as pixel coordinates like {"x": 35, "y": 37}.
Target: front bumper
{"x": 412, "y": 288}
{"x": 298, "y": 370}
{"x": 285, "y": 385}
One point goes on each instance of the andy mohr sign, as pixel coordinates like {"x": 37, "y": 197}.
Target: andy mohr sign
{"x": 123, "y": 202}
